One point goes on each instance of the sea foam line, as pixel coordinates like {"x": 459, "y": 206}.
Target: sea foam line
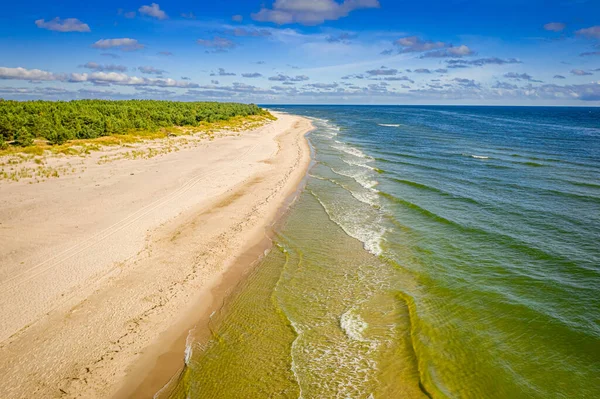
{"x": 371, "y": 239}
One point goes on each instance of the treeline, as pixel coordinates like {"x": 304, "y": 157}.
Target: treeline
{"x": 59, "y": 121}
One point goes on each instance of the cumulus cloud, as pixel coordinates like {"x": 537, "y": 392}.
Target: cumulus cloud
{"x": 222, "y": 72}
{"x": 468, "y": 83}
{"x": 323, "y": 86}
{"x": 422, "y": 70}
{"x": 252, "y": 75}
{"x": 218, "y": 44}
{"x": 153, "y": 10}
{"x": 398, "y": 78}
{"x": 124, "y": 44}
{"x": 520, "y": 76}
{"x": 237, "y": 18}
{"x": 580, "y": 72}
{"x": 413, "y": 44}
{"x": 555, "y": 26}
{"x": 285, "y": 78}
{"x": 97, "y": 78}
{"x": 481, "y": 62}
{"x": 26, "y": 74}
{"x": 310, "y": 12}
{"x": 148, "y": 70}
{"x": 559, "y": 77}
{"x": 63, "y": 25}
{"x": 189, "y": 15}
{"x": 383, "y": 71}
{"x": 432, "y": 49}
{"x": 104, "y": 68}
{"x": 591, "y": 32}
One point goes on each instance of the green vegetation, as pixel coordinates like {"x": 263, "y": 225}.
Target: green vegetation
{"x": 58, "y": 122}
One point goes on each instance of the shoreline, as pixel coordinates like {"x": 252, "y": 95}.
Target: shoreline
{"x": 164, "y": 268}
{"x": 159, "y": 367}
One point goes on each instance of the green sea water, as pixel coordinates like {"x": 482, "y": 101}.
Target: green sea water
{"x": 435, "y": 252}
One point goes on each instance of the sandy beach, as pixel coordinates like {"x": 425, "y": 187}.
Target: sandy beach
{"x": 103, "y": 270}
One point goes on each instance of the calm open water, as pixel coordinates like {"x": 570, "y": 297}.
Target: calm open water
{"x": 442, "y": 252}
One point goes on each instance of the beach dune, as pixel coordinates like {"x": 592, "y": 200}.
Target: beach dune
{"x": 102, "y": 271}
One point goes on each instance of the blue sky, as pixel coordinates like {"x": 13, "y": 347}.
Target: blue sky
{"x": 528, "y": 52}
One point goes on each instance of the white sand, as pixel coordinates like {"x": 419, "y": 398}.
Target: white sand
{"x": 96, "y": 265}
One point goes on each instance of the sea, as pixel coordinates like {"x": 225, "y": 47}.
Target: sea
{"x": 434, "y": 252}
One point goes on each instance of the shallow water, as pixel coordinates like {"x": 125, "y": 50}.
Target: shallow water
{"x": 436, "y": 251}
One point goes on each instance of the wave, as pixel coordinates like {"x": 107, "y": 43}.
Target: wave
{"x": 350, "y": 150}
{"x": 476, "y": 156}
{"x": 370, "y": 237}
{"x": 389, "y": 124}
{"x": 361, "y": 179}
{"x": 369, "y": 197}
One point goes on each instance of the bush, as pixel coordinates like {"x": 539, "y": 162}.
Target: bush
{"x": 57, "y": 136}
{"x": 23, "y": 138}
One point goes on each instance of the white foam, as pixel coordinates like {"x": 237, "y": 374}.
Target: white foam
{"x": 475, "y": 156}
{"x": 361, "y": 178}
{"x": 360, "y": 164}
{"x": 370, "y": 233}
{"x": 353, "y": 325}
{"x": 189, "y": 346}
{"x": 389, "y": 124}
{"x": 350, "y": 150}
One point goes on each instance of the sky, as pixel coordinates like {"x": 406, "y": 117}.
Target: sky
{"x": 475, "y": 52}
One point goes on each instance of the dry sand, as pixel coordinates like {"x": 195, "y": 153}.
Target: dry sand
{"x": 103, "y": 270}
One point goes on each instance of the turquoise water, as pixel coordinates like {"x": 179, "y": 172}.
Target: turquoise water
{"x": 436, "y": 251}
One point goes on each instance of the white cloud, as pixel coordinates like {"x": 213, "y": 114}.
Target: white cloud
{"x": 153, "y": 10}
{"x": 555, "y": 26}
{"x": 285, "y": 78}
{"x": 592, "y": 32}
{"x": 383, "y": 71}
{"x": 125, "y": 44}
{"x": 243, "y": 32}
{"x": 237, "y": 18}
{"x": 412, "y": 44}
{"x": 151, "y": 70}
{"x": 64, "y": 25}
{"x": 105, "y": 68}
{"x": 98, "y": 78}
{"x": 580, "y": 72}
{"x": 26, "y": 74}
{"x": 310, "y": 12}
{"x": 220, "y": 44}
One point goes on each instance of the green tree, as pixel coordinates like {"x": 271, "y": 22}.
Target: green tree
{"x": 23, "y": 138}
